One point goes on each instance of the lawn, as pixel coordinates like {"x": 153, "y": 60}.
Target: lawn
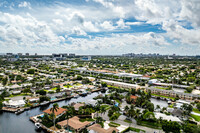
{"x": 163, "y": 88}
{"x": 77, "y": 84}
{"x": 54, "y": 89}
{"x": 196, "y": 110}
{"x": 105, "y": 106}
{"x": 86, "y": 119}
{"x": 149, "y": 124}
{"x": 128, "y": 121}
{"x": 133, "y": 129}
{"x": 113, "y": 124}
{"x": 22, "y": 94}
{"x": 196, "y": 117}
{"x": 68, "y": 86}
{"x": 171, "y": 106}
{"x": 163, "y": 96}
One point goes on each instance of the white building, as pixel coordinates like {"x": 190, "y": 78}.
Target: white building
{"x": 14, "y": 104}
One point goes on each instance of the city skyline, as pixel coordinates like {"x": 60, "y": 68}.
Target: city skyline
{"x": 100, "y": 27}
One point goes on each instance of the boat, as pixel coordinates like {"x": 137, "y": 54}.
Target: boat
{"x": 103, "y": 90}
{"x": 169, "y": 102}
{"x": 19, "y": 111}
{"x": 37, "y": 126}
{"x": 44, "y": 103}
{"x": 83, "y": 94}
{"x": 76, "y": 95}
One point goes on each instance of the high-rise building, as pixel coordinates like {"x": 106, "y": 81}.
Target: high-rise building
{"x": 9, "y": 54}
{"x": 19, "y": 54}
{"x": 72, "y": 55}
{"x": 27, "y": 54}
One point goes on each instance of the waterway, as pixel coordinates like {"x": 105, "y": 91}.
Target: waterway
{"x": 11, "y": 123}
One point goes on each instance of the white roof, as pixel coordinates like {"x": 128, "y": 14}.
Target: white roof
{"x": 120, "y": 83}
{"x": 167, "y": 117}
{"x": 183, "y": 101}
{"x": 14, "y": 103}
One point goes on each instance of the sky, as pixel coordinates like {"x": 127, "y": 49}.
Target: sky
{"x": 100, "y": 27}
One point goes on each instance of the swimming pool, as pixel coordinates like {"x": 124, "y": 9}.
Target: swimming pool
{"x": 53, "y": 99}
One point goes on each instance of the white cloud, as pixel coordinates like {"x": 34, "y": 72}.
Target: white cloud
{"x": 43, "y": 25}
{"x": 25, "y": 4}
{"x": 78, "y": 31}
{"x": 135, "y": 23}
{"x": 89, "y": 26}
{"x": 107, "y": 25}
{"x": 178, "y": 33}
{"x": 116, "y": 9}
{"x": 58, "y": 21}
{"x": 121, "y": 24}
{"x": 26, "y": 32}
{"x": 190, "y": 11}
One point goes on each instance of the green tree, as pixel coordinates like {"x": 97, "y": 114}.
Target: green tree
{"x": 1, "y": 105}
{"x": 198, "y": 106}
{"x": 187, "y": 109}
{"x": 53, "y": 110}
{"x": 27, "y": 90}
{"x": 103, "y": 84}
{"x": 41, "y": 92}
{"x": 31, "y": 71}
{"x": 5, "y": 80}
{"x": 169, "y": 126}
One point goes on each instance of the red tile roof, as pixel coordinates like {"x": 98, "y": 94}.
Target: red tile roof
{"x": 58, "y": 112}
{"x": 133, "y": 97}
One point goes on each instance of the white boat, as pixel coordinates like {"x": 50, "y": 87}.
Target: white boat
{"x": 19, "y": 111}
{"x": 44, "y": 103}
{"x": 76, "y": 95}
{"x": 37, "y": 125}
{"x": 169, "y": 102}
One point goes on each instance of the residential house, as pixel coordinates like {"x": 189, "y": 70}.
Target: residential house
{"x": 96, "y": 128}
{"x": 60, "y": 111}
{"x": 74, "y": 124}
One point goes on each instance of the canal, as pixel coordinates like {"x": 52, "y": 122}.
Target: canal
{"x": 11, "y": 123}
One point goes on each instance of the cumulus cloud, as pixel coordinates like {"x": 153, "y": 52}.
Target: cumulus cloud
{"x": 178, "y": 33}
{"x": 107, "y": 25}
{"x": 25, "y": 4}
{"x": 100, "y": 22}
{"x": 135, "y": 23}
{"x": 190, "y": 10}
{"x": 121, "y": 24}
{"x": 26, "y": 32}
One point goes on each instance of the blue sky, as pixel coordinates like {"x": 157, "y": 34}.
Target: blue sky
{"x": 100, "y": 26}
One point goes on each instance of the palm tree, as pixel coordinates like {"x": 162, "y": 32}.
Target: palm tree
{"x": 97, "y": 109}
{"x": 103, "y": 110}
{"x": 137, "y": 113}
{"x": 126, "y": 109}
{"x": 53, "y": 110}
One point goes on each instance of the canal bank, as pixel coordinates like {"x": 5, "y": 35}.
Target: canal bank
{"x": 11, "y": 123}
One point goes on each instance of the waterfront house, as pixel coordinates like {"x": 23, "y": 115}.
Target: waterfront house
{"x": 60, "y": 111}
{"x": 74, "y": 124}
{"x": 14, "y": 104}
{"x": 96, "y": 128}
{"x": 77, "y": 105}
{"x": 133, "y": 98}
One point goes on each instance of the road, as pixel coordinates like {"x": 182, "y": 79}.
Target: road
{"x": 121, "y": 119}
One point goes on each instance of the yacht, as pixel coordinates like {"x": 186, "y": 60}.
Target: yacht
{"x": 44, "y": 103}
